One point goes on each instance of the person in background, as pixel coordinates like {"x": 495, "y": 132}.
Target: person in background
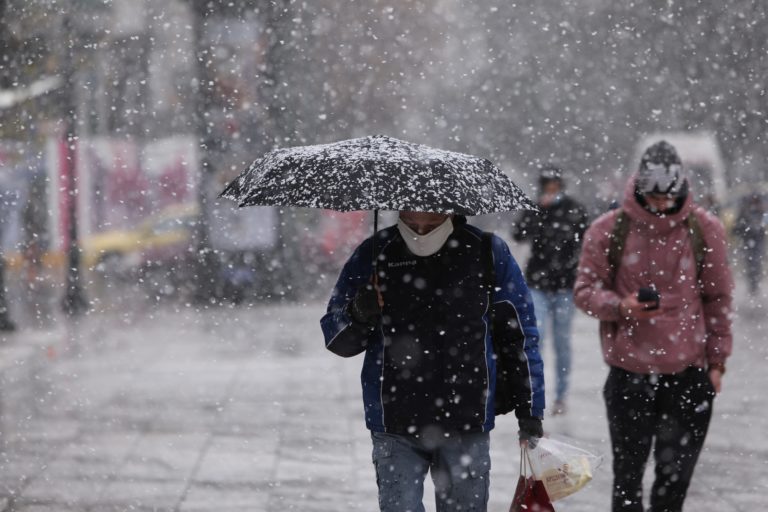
{"x": 750, "y": 228}
{"x": 428, "y": 320}
{"x": 6, "y": 324}
{"x": 655, "y": 273}
{"x": 555, "y": 233}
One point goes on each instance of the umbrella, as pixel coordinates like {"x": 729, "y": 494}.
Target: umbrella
{"x": 377, "y": 173}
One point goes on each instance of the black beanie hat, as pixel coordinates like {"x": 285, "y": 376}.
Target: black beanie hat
{"x": 550, "y": 172}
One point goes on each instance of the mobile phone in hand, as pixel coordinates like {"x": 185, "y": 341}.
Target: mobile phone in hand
{"x": 650, "y": 297}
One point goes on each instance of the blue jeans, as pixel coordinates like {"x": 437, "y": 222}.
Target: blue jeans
{"x": 460, "y": 466}
{"x": 556, "y": 308}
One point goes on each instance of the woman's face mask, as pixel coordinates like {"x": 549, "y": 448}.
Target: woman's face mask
{"x": 658, "y": 203}
{"x": 424, "y": 233}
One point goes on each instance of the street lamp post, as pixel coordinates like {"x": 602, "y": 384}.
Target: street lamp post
{"x": 5, "y": 82}
{"x": 6, "y": 324}
{"x": 204, "y": 261}
{"x": 74, "y": 302}
{"x": 276, "y": 18}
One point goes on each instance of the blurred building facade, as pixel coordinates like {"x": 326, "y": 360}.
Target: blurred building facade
{"x": 139, "y": 146}
{"x": 576, "y": 82}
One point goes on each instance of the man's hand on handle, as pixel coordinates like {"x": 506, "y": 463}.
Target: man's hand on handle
{"x": 530, "y": 431}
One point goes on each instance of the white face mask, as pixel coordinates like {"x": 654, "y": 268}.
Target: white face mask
{"x": 429, "y": 244}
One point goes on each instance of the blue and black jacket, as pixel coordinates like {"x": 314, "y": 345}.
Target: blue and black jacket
{"x": 430, "y": 361}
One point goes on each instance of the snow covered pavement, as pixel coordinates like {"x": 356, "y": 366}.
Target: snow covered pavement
{"x": 242, "y": 409}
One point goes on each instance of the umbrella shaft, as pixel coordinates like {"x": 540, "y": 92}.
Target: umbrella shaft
{"x": 373, "y": 245}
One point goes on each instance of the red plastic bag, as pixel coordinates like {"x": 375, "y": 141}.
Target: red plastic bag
{"x": 530, "y": 494}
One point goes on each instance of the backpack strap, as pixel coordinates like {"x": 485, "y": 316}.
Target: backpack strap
{"x": 697, "y": 241}
{"x": 617, "y": 241}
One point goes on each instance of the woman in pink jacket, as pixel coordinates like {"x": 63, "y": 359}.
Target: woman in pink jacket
{"x": 655, "y": 274}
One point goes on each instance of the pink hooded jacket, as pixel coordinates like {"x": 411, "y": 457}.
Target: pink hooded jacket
{"x": 694, "y": 328}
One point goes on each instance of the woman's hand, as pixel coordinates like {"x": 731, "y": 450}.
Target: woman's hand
{"x": 716, "y": 376}
{"x": 630, "y": 307}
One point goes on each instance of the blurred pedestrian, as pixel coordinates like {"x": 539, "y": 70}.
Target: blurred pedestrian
{"x": 6, "y": 200}
{"x": 6, "y": 324}
{"x": 430, "y": 388}
{"x": 555, "y": 233}
{"x": 750, "y": 228}
{"x": 655, "y": 273}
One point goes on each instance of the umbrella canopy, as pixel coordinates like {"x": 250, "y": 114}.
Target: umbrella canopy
{"x": 377, "y": 173}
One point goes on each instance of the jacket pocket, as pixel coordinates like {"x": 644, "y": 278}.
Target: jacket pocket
{"x": 479, "y": 467}
{"x": 478, "y": 456}
{"x": 382, "y": 446}
{"x": 478, "y": 471}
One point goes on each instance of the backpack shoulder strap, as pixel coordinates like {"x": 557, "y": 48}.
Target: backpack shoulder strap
{"x": 617, "y": 240}
{"x": 697, "y": 240}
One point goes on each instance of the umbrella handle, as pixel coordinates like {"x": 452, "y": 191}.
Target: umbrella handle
{"x": 376, "y": 259}
{"x": 373, "y": 247}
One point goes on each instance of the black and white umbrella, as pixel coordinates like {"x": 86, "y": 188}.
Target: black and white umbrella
{"x": 377, "y": 173}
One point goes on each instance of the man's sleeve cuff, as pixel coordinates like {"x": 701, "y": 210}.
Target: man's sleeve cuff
{"x": 521, "y": 413}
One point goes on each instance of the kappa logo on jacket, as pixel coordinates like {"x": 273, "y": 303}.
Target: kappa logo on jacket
{"x": 406, "y": 263}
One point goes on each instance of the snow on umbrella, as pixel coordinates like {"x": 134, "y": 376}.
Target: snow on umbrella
{"x": 377, "y": 173}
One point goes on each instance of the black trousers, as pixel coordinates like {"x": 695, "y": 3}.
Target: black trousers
{"x": 674, "y": 411}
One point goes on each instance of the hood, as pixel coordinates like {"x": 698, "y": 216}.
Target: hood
{"x": 658, "y": 224}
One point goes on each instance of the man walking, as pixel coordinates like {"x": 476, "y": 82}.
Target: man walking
{"x": 555, "y": 233}
{"x": 655, "y": 273}
{"x": 445, "y": 301}
{"x": 750, "y": 228}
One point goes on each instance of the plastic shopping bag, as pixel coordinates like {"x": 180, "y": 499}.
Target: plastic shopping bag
{"x": 562, "y": 467}
{"x": 530, "y": 495}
